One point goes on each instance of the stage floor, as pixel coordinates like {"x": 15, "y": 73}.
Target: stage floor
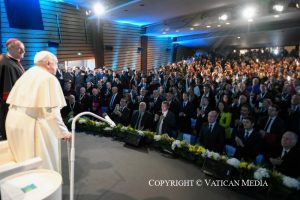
{"x": 106, "y": 169}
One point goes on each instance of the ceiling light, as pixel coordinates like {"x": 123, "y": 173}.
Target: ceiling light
{"x": 218, "y": 25}
{"x": 223, "y": 17}
{"x": 191, "y": 28}
{"x": 177, "y": 31}
{"x": 208, "y": 26}
{"x": 227, "y": 23}
{"x": 99, "y": 9}
{"x": 238, "y": 37}
{"x": 276, "y": 16}
{"x": 250, "y": 20}
{"x": 249, "y": 12}
{"x": 79, "y": 53}
{"x": 278, "y": 7}
{"x": 196, "y": 24}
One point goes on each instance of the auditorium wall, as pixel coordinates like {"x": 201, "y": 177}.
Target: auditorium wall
{"x": 65, "y": 33}
{"x": 159, "y": 52}
{"x": 121, "y": 45}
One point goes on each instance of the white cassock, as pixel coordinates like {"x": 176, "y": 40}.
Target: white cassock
{"x": 34, "y": 124}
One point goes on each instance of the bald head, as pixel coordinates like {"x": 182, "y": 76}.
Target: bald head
{"x": 47, "y": 60}
{"x": 289, "y": 140}
{"x": 15, "y": 48}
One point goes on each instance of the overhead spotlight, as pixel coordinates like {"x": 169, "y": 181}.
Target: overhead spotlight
{"x": 223, "y": 17}
{"x": 250, "y": 20}
{"x": 191, "y": 28}
{"x": 238, "y": 37}
{"x": 196, "y": 24}
{"x": 276, "y": 16}
{"x": 208, "y": 26}
{"x": 227, "y": 23}
{"x": 278, "y": 7}
{"x": 249, "y": 12}
{"x": 99, "y": 9}
{"x": 219, "y": 25}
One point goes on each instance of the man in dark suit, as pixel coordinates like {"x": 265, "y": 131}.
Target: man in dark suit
{"x": 113, "y": 100}
{"x": 287, "y": 158}
{"x": 186, "y": 110}
{"x": 121, "y": 114}
{"x": 72, "y": 108}
{"x": 248, "y": 141}
{"x": 271, "y": 130}
{"x": 142, "y": 119}
{"x": 155, "y": 103}
{"x": 212, "y": 135}
{"x": 166, "y": 122}
{"x": 202, "y": 113}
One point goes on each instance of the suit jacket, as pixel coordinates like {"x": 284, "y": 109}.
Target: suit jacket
{"x": 184, "y": 122}
{"x": 146, "y": 121}
{"x": 115, "y": 102}
{"x": 202, "y": 119}
{"x": 169, "y": 123}
{"x": 157, "y": 105}
{"x": 290, "y": 165}
{"x": 252, "y": 146}
{"x": 124, "y": 118}
{"x": 214, "y": 140}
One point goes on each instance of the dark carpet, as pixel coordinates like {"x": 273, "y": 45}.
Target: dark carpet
{"x": 106, "y": 169}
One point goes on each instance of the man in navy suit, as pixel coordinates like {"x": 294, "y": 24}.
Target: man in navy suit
{"x": 212, "y": 135}
{"x": 248, "y": 141}
{"x": 186, "y": 110}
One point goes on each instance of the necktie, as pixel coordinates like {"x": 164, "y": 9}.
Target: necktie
{"x": 284, "y": 153}
{"x": 112, "y": 100}
{"x": 246, "y": 135}
{"x": 138, "y": 121}
{"x": 210, "y": 128}
{"x": 160, "y": 123}
{"x": 268, "y": 124}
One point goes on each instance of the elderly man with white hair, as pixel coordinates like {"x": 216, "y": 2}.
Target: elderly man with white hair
{"x": 34, "y": 124}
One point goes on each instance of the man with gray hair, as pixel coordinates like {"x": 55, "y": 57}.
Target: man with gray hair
{"x": 287, "y": 157}
{"x": 10, "y": 71}
{"x": 34, "y": 124}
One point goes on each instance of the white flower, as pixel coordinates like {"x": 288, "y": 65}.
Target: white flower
{"x": 107, "y": 129}
{"x": 233, "y": 162}
{"x": 175, "y": 144}
{"x": 141, "y": 133}
{"x": 157, "y": 137}
{"x": 291, "y": 182}
{"x": 261, "y": 173}
{"x": 70, "y": 120}
{"x": 82, "y": 121}
{"x": 216, "y": 156}
{"x": 124, "y": 128}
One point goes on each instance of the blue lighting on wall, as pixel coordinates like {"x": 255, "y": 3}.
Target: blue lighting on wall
{"x": 194, "y": 42}
{"x": 135, "y": 23}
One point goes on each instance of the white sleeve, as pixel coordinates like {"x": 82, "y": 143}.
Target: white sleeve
{"x": 55, "y": 122}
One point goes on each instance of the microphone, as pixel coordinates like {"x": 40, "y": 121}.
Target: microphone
{"x": 111, "y": 122}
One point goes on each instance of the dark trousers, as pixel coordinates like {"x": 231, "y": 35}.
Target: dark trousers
{"x": 3, "y": 114}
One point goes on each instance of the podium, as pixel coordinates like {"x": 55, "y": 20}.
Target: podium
{"x": 32, "y": 185}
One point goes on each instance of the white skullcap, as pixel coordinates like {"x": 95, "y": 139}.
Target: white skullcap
{"x": 40, "y": 56}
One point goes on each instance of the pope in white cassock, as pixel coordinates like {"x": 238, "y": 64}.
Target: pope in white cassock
{"x": 34, "y": 124}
